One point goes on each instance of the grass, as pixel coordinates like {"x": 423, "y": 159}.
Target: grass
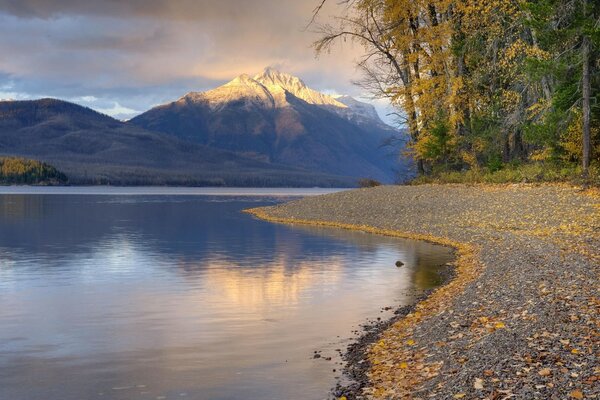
{"x": 523, "y": 173}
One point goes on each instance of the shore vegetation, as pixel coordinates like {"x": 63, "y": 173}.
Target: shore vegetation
{"x": 21, "y": 171}
{"x": 482, "y": 86}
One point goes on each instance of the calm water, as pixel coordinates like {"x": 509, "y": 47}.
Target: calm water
{"x": 152, "y": 295}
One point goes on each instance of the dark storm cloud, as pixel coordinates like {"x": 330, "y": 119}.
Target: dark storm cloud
{"x": 120, "y": 49}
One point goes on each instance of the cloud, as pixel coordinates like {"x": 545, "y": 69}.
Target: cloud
{"x": 118, "y": 111}
{"x": 122, "y": 51}
{"x": 196, "y": 10}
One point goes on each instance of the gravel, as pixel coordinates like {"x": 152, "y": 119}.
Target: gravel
{"x": 520, "y": 319}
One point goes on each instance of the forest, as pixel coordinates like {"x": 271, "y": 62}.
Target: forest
{"x": 495, "y": 88}
{"x": 22, "y": 171}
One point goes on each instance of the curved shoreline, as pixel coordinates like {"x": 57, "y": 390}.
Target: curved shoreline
{"x": 465, "y": 269}
{"x": 520, "y": 318}
{"x": 357, "y": 363}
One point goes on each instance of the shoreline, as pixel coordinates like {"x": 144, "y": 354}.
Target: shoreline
{"x": 520, "y": 319}
{"x": 357, "y": 363}
{"x": 166, "y": 190}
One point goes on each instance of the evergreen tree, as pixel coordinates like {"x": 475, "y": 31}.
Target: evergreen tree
{"x": 482, "y": 84}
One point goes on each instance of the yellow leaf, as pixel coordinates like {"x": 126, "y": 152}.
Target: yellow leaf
{"x": 403, "y": 365}
{"x": 459, "y": 395}
{"x": 575, "y": 351}
{"x": 576, "y": 394}
{"x": 410, "y": 342}
{"x": 499, "y": 325}
{"x": 478, "y": 384}
{"x": 545, "y": 372}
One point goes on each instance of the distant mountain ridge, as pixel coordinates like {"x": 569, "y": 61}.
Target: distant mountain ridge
{"x": 357, "y": 111}
{"x": 93, "y": 148}
{"x": 277, "y": 118}
{"x": 270, "y": 129}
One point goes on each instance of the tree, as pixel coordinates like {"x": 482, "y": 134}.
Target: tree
{"x": 23, "y": 171}
{"x": 570, "y": 31}
{"x": 480, "y": 81}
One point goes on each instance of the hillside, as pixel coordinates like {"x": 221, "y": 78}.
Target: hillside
{"x": 93, "y": 148}
{"x": 277, "y": 118}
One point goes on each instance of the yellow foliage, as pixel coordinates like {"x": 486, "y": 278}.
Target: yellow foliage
{"x": 470, "y": 159}
{"x": 571, "y": 141}
{"x": 510, "y": 99}
{"x": 541, "y": 155}
{"x": 538, "y": 108}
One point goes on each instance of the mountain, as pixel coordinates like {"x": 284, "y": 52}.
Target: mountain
{"x": 277, "y": 82}
{"x": 277, "y": 118}
{"x": 93, "y": 148}
{"x": 357, "y": 111}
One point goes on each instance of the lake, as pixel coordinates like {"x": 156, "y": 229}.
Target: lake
{"x": 167, "y": 293}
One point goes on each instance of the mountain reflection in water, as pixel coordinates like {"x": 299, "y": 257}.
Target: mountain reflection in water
{"x": 126, "y": 297}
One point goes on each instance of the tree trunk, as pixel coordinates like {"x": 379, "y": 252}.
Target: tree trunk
{"x": 420, "y": 167}
{"x": 586, "y": 106}
{"x": 506, "y": 148}
{"x": 518, "y": 152}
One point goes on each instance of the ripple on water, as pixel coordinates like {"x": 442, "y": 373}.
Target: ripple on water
{"x": 149, "y": 296}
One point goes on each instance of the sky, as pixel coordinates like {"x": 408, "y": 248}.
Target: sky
{"x": 122, "y": 57}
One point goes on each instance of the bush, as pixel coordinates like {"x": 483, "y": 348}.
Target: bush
{"x": 523, "y": 173}
{"x": 368, "y": 182}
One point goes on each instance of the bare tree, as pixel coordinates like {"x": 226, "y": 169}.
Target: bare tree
{"x": 386, "y": 72}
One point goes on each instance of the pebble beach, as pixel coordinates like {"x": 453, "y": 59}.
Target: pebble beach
{"x": 520, "y": 317}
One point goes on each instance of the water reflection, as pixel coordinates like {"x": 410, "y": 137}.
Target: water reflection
{"x": 125, "y": 297}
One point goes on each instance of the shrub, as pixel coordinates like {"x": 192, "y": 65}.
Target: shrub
{"x": 368, "y": 182}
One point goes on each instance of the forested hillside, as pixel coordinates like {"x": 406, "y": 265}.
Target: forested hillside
{"x": 485, "y": 86}
{"x": 28, "y": 172}
{"x": 92, "y": 148}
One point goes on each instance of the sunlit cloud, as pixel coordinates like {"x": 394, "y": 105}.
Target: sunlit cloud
{"x": 138, "y": 53}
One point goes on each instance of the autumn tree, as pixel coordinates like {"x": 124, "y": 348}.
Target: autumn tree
{"x": 480, "y": 84}
{"x": 570, "y": 32}
{"x": 23, "y": 171}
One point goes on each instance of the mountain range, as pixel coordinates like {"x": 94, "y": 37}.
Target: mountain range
{"x": 267, "y": 130}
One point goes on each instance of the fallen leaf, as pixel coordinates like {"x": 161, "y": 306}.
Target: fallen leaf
{"x": 576, "y": 394}
{"x": 545, "y": 372}
{"x": 478, "y": 384}
{"x": 459, "y": 395}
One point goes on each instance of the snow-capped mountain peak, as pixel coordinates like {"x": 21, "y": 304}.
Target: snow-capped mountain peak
{"x": 270, "y": 88}
{"x": 273, "y": 79}
{"x": 358, "y": 108}
{"x": 242, "y": 89}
